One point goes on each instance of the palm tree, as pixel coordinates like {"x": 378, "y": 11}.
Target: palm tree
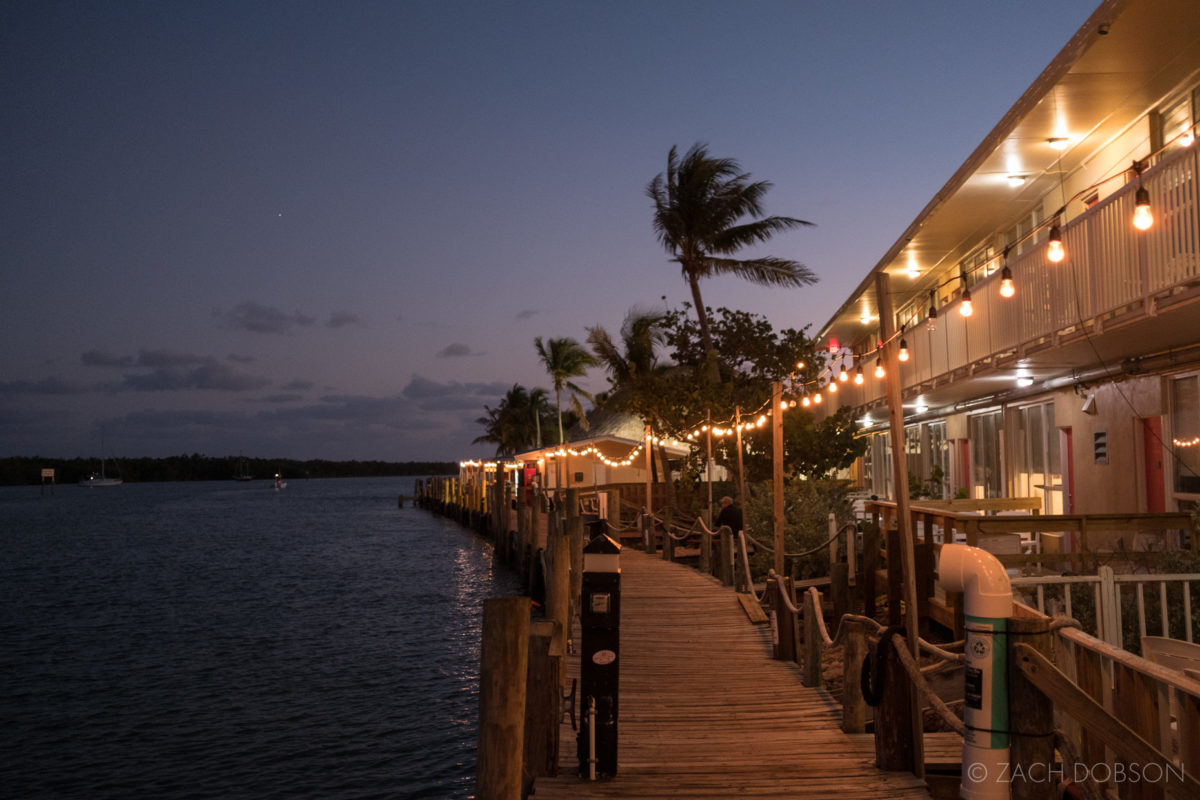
{"x": 699, "y": 203}
{"x": 514, "y": 424}
{"x": 565, "y": 358}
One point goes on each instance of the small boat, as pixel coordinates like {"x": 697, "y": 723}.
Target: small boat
{"x": 243, "y": 473}
{"x": 279, "y": 483}
{"x": 100, "y": 479}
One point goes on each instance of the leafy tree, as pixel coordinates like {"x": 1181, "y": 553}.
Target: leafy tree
{"x": 701, "y": 206}
{"x": 564, "y": 358}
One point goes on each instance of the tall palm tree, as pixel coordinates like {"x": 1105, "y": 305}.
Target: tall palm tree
{"x": 699, "y": 206}
{"x": 514, "y": 424}
{"x": 564, "y": 358}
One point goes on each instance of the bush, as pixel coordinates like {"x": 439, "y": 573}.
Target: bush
{"x": 806, "y": 508}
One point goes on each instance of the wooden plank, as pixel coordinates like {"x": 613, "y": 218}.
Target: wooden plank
{"x": 754, "y": 611}
{"x": 730, "y": 721}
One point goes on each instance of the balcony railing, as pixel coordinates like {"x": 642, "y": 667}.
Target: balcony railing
{"x": 1110, "y": 267}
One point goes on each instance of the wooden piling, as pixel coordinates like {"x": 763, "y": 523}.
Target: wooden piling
{"x": 504, "y": 662}
{"x": 1030, "y": 715}
{"x": 894, "y": 747}
{"x": 854, "y": 706}
{"x": 542, "y": 702}
{"x": 812, "y": 643}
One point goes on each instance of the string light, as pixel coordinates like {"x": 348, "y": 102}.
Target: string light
{"x": 858, "y": 376}
{"x": 1186, "y": 442}
{"x": 1007, "y": 287}
{"x": 843, "y": 376}
{"x": 817, "y": 399}
{"x": 1143, "y": 218}
{"x": 1055, "y": 251}
{"x": 931, "y": 324}
{"x": 832, "y": 385}
{"x": 879, "y": 373}
{"x": 965, "y": 307}
{"x": 903, "y": 356}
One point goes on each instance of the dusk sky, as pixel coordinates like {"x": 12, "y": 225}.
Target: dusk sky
{"x": 333, "y": 230}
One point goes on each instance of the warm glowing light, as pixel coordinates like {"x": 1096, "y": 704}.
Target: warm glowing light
{"x": 1016, "y": 180}
{"x": 858, "y": 377}
{"x": 965, "y": 307}
{"x": 799, "y": 365}
{"x": 1187, "y": 442}
{"x": 1058, "y": 142}
{"x": 817, "y": 399}
{"x": 903, "y": 350}
{"x": 1024, "y": 381}
{"x": 806, "y": 402}
{"x": 844, "y": 376}
{"x": 1188, "y": 138}
{"x": 1143, "y": 218}
{"x": 832, "y": 387}
{"x": 1055, "y": 251}
{"x": 865, "y": 318}
{"x": 879, "y": 369}
{"x": 1007, "y": 287}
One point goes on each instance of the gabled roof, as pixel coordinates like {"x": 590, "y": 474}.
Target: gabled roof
{"x": 614, "y": 433}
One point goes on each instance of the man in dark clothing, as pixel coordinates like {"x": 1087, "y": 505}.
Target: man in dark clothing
{"x": 729, "y": 515}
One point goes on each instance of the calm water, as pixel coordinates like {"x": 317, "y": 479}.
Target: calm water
{"x": 221, "y": 640}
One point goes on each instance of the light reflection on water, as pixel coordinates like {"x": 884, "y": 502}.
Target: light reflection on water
{"x": 226, "y": 640}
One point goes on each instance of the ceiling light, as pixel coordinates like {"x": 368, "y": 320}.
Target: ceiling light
{"x": 1058, "y": 142}
{"x": 1016, "y": 180}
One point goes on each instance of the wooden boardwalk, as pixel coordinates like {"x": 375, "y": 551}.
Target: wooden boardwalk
{"x": 705, "y": 712}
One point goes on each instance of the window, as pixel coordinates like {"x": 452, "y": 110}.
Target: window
{"x": 1037, "y": 460}
{"x": 986, "y": 474}
{"x": 1185, "y": 434}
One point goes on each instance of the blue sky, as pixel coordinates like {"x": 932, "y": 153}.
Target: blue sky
{"x": 333, "y": 230}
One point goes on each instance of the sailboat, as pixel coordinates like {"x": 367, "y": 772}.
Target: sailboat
{"x": 100, "y": 479}
{"x": 280, "y": 483}
{"x": 243, "y": 473}
{"x": 94, "y": 480}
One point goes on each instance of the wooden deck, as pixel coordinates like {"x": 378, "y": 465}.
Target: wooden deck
{"x": 706, "y": 712}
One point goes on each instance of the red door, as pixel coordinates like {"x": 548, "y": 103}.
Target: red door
{"x": 1155, "y": 488}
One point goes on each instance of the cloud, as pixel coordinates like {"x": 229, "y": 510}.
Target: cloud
{"x": 454, "y": 350}
{"x": 46, "y": 386}
{"x": 340, "y": 319}
{"x": 157, "y": 359}
{"x": 298, "y": 386}
{"x": 528, "y": 313}
{"x": 208, "y": 377}
{"x": 273, "y": 399}
{"x": 435, "y": 396}
{"x": 257, "y": 318}
{"x": 240, "y": 359}
{"x": 100, "y": 358}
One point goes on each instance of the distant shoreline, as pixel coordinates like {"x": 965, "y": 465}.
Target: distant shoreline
{"x": 27, "y": 470}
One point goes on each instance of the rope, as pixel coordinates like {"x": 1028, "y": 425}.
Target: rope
{"x": 746, "y": 566}
{"x": 1064, "y": 622}
{"x": 914, "y": 673}
{"x": 816, "y": 549}
{"x": 945, "y": 655}
{"x": 871, "y": 680}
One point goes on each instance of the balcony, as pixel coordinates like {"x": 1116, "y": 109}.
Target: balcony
{"x": 1122, "y": 302}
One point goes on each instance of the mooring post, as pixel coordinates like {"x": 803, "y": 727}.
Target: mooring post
{"x": 504, "y": 661}
{"x": 812, "y": 642}
{"x": 1030, "y": 715}
{"x": 558, "y": 586}
{"x": 726, "y": 557}
{"x": 854, "y": 707}
{"x": 894, "y": 746}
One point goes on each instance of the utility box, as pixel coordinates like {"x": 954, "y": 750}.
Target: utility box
{"x": 600, "y": 663}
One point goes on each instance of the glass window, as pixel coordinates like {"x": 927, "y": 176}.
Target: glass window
{"x": 1185, "y": 434}
{"x": 1036, "y": 457}
{"x": 986, "y": 475}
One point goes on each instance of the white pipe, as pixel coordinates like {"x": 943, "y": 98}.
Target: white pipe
{"x": 987, "y": 605}
{"x": 982, "y": 578}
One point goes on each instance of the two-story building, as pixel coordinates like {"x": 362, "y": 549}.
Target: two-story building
{"x": 1076, "y": 375}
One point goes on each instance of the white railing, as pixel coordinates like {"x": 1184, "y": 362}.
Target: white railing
{"x": 1109, "y": 267}
{"x": 1107, "y": 596}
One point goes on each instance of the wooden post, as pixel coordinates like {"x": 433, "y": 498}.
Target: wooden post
{"x": 839, "y": 589}
{"x": 775, "y": 614}
{"x": 777, "y": 474}
{"x": 1030, "y": 715}
{"x": 542, "y": 703}
{"x": 575, "y": 543}
{"x": 668, "y": 545}
{"x": 854, "y": 707}
{"x": 706, "y": 553}
{"x": 894, "y": 741}
{"x": 727, "y": 558}
{"x": 870, "y": 563}
{"x": 649, "y": 444}
{"x": 558, "y": 586}
{"x": 741, "y": 491}
{"x": 812, "y": 642}
{"x": 504, "y": 662}
{"x": 895, "y": 575}
{"x": 892, "y": 384}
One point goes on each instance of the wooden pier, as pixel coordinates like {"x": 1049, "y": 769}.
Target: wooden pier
{"x": 706, "y": 712}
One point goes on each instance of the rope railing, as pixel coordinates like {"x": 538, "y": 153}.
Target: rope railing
{"x": 939, "y": 706}
{"x": 847, "y": 526}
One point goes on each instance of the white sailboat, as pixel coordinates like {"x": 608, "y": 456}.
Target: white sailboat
{"x": 95, "y": 480}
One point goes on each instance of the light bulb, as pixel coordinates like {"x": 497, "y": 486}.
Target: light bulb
{"x": 832, "y": 386}
{"x": 966, "y": 308}
{"x": 817, "y": 399}
{"x": 1188, "y": 138}
{"x": 879, "y": 369}
{"x": 1007, "y": 287}
{"x": 1143, "y": 218}
{"x": 844, "y": 376}
{"x": 858, "y": 377}
{"x": 903, "y": 350}
{"x": 1056, "y": 252}
{"x": 806, "y": 402}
